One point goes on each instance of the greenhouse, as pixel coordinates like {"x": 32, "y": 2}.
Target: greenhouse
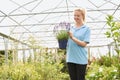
{"x": 29, "y": 48}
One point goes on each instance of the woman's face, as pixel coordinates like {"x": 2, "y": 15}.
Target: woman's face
{"x": 78, "y": 16}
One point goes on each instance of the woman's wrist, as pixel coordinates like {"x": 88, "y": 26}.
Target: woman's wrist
{"x": 72, "y": 37}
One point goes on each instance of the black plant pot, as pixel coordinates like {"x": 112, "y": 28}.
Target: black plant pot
{"x": 62, "y": 44}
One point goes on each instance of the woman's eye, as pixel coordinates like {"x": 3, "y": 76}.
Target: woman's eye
{"x": 76, "y": 15}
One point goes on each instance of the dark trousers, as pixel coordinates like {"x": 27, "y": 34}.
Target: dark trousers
{"x": 76, "y": 71}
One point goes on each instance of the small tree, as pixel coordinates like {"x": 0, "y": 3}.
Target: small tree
{"x": 114, "y": 32}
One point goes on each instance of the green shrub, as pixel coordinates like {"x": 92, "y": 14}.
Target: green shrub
{"x": 45, "y": 68}
{"x": 97, "y": 72}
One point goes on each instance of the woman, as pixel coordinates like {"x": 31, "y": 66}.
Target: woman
{"x": 76, "y": 52}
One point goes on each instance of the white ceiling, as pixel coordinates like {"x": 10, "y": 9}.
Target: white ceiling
{"x": 21, "y": 19}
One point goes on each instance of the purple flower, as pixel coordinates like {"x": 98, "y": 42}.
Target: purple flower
{"x": 62, "y": 26}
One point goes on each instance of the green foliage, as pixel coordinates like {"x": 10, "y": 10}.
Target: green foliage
{"x": 2, "y": 56}
{"x": 105, "y": 68}
{"x": 62, "y": 34}
{"x": 114, "y": 32}
{"x": 97, "y": 72}
{"x": 2, "y": 59}
{"x": 32, "y": 71}
{"x": 42, "y": 65}
{"x": 104, "y": 60}
{"x": 45, "y": 67}
{"x": 107, "y": 61}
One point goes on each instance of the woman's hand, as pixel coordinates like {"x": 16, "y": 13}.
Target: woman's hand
{"x": 70, "y": 34}
{"x": 77, "y": 41}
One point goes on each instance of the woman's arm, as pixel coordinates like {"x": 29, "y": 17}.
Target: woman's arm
{"x": 79, "y": 42}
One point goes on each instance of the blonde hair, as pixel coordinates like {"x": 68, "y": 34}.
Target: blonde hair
{"x": 83, "y": 12}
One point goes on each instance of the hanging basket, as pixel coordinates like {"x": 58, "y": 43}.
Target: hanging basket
{"x": 61, "y": 33}
{"x": 62, "y": 43}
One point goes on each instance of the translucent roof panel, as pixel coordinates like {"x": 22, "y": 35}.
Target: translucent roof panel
{"x": 21, "y": 19}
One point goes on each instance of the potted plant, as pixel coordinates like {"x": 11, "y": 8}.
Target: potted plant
{"x": 61, "y": 34}
{"x": 62, "y": 37}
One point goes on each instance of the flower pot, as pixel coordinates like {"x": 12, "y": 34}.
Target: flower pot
{"x": 62, "y": 43}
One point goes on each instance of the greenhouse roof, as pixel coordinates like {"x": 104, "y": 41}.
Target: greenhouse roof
{"x": 21, "y": 20}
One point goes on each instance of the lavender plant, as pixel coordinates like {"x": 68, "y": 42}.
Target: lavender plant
{"x": 60, "y": 30}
